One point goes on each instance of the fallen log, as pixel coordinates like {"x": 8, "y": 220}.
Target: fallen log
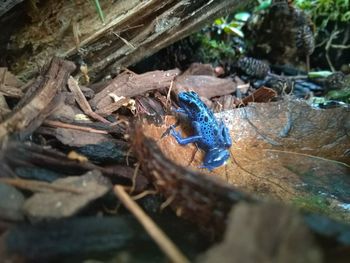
{"x": 132, "y": 30}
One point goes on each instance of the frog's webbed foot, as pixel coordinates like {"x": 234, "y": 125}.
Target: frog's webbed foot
{"x": 168, "y": 130}
{"x": 181, "y": 140}
{"x": 215, "y": 158}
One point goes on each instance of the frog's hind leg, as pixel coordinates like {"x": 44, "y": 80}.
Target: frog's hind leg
{"x": 181, "y": 140}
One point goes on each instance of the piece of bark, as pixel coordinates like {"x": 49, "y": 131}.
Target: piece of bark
{"x": 75, "y": 138}
{"x": 4, "y": 108}
{"x": 8, "y": 79}
{"x": 82, "y": 102}
{"x": 227, "y": 102}
{"x": 114, "y": 106}
{"x": 206, "y": 86}
{"x": 85, "y": 235}
{"x": 25, "y": 118}
{"x": 262, "y": 94}
{"x": 151, "y": 108}
{"x": 9, "y": 85}
{"x": 129, "y": 84}
{"x": 199, "y": 69}
{"x": 60, "y": 204}
{"x": 88, "y": 92}
{"x": 140, "y": 29}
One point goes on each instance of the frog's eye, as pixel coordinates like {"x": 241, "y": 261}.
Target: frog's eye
{"x": 193, "y": 93}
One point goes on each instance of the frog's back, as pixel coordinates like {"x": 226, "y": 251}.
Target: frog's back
{"x": 209, "y": 128}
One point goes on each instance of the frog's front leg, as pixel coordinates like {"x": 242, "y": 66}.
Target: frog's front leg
{"x": 192, "y": 139}
{"x": 225, "y": 135}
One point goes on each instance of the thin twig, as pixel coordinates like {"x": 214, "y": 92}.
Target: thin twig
{"x": 58, "y": 124}
{"x": 164, "y": 243}
{"x": 134, "y": 176}
{"x": 124, "y": 40}
{"x": 143, "y": 194}
{"x": 333, "y": 35}
{"x": 340, "y": 46}
{"x": 168, "y": 94}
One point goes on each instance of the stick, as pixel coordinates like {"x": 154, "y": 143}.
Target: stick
{"x": 164, "y": 243}
{"x": 35, "y": 186}
{"x": 58, "y": 124}
{"x": 82, "y": 102}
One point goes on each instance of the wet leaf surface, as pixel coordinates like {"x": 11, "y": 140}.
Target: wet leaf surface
{"x": 285, "y": 150}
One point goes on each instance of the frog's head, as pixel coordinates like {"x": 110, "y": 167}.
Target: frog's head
{"x": 215, "y": 158}
{"x": 189, "y": 100}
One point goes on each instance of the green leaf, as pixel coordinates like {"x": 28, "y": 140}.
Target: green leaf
{"x": 243, "y": 16}
{"x": 319, "y": 74}
{"x": 343, "y": 94}
{"x": 263, "y": 5}
{"x": 219, "y": 21}
{"x": 236, "y": 31}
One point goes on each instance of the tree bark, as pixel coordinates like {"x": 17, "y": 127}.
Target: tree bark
{"x": 132, "y": 30}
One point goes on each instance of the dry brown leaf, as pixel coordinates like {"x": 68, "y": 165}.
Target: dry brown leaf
{"x": 285, "y": 150}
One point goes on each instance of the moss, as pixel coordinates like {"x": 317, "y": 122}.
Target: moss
{"x": 313, "y": 203}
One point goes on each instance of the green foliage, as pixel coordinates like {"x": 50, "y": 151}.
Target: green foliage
{"x": 224, "y": 24}
{"x": 212, "y": 50}
{"x": 313, "y": 203}
{"x": 263, "y": 4}
{"x": 340, "y": 95}
{"x": 324, "y": 11}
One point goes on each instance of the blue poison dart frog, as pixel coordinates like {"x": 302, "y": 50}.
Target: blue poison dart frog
{"x": 210, "y": 135}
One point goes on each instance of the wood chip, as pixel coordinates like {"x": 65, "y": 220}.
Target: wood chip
{"x": 26, "y": 117}
{"x": 262, "y": 94}
{"x": 82, "y": 102}
{"x": 129, "y": 84}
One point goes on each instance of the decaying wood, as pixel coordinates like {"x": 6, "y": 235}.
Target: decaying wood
{"x": 129, "y": 84}
{"x": 206, "y": 86}
{"x": 132, "y": 30}
{"x": 9, "y": 85}
{"x": 26, "y": 117}
{"x": 82, "y": 102}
